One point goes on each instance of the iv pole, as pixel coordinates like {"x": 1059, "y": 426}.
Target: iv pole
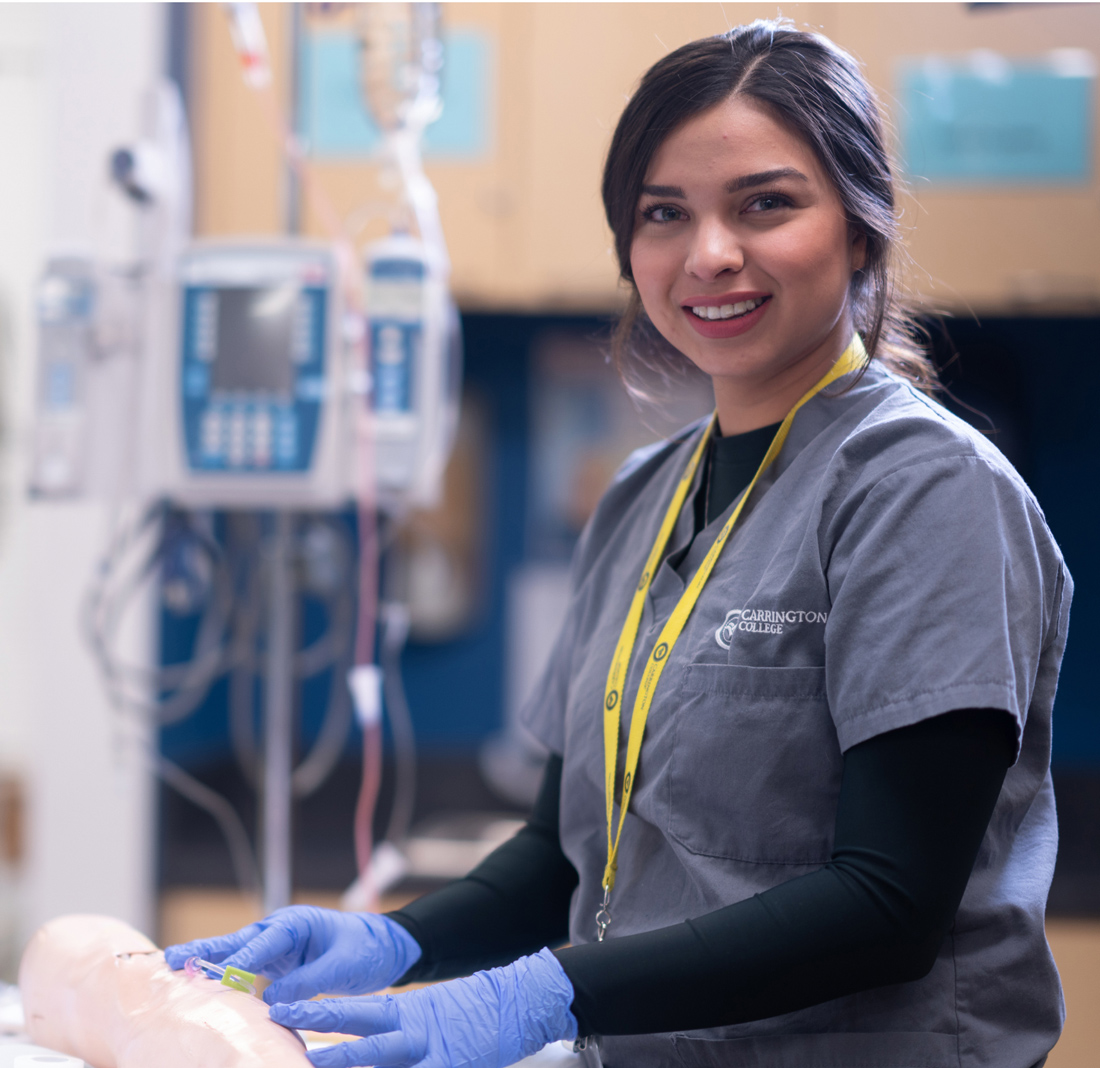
{"x": 250, "y": 42}
{"x": 278, "y": 718}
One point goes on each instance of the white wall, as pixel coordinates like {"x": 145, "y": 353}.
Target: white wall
{"x": 71, "y": 80}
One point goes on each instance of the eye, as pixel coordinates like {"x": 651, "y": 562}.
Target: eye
{"x": 768, "y": 202}
{"x": 663, "y": 213}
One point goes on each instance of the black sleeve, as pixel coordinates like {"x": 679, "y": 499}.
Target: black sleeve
{"x": 913, "y": 808}
{"x": 515, "y": 902}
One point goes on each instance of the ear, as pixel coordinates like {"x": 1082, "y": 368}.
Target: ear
{"x": 859, "y": 251}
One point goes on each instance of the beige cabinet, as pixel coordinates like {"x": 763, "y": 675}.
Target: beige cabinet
{"x": 524, "y": 221}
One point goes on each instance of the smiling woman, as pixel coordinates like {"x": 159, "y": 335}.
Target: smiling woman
{"x": 799, "y": 95}
{"x": 798, "y": 809}
{"x": 744, "y": 259}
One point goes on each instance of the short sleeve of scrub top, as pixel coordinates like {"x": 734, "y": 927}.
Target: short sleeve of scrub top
{"x": 889, "y": 567}
{"x": 944, "y": 590}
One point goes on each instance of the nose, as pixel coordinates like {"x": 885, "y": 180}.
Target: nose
{"x": 715, "y": 249}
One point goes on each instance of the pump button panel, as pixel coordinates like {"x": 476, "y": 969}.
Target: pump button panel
{"x": 253, "y": 373}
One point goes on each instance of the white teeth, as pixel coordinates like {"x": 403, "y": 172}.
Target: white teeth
{"x": 728, "y": 311}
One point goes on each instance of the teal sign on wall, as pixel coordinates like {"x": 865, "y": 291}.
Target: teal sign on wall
{"x": 990, "y": 121}
{"x": 333, "y": 121}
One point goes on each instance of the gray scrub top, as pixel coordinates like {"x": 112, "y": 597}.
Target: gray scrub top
{"x": 890, "y": 566}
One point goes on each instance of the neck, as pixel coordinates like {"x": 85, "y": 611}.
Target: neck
{"x": 747, "y": 404}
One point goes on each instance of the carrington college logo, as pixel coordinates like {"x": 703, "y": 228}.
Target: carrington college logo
{"x": 762, "y": 621}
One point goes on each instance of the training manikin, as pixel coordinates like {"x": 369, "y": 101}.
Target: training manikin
{"x": 95, "y": 988}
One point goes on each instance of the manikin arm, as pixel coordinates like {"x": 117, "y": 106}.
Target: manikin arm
{"x": 95, "y": 988}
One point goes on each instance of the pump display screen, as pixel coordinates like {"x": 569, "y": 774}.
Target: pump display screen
{"x": 254, "y": 339}
{"x": 253, "y": 370}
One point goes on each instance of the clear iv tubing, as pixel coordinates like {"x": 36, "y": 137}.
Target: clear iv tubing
{"x": 364, "y": 654}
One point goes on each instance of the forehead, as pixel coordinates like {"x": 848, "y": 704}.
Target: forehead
{"x": 737, "y": 136}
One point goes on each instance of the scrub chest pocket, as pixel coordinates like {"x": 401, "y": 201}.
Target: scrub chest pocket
{"x": 755, "y": 768}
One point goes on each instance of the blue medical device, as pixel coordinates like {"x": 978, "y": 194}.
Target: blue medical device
{"x": 253, "y": 375}
{"x": 396, "y": 332}
{"x": 415, "y": 365}
{"x": 255, "y": 402}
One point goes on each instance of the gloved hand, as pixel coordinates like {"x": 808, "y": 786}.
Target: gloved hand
{"x": 311, "y": 950}
{"x": 489, "y": 1020}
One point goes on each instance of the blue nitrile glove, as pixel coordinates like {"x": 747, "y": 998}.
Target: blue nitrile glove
{"x": 489, "y": 1020}
{"x": 310, "y": 950}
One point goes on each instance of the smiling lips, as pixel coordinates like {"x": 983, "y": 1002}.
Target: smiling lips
{"x": 727, "y": 311}
{"x": 726, "y": 320}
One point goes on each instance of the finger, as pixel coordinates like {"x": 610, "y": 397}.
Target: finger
{"x": 302, "y": 983}
{"x": 272, "y": 944}
{"x": 211, "y": 949}
{"x": 390, "y": 1050}
{"x": 356, "y": 1016}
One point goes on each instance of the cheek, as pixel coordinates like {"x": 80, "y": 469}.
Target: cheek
{"x": 817, "y": 256}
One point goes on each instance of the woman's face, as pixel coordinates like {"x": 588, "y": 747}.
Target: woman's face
{"x": 743, "y": 258}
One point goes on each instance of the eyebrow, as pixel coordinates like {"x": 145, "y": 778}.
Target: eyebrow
{"x": 746, "y": 181}
{"x": 763, "y": 178}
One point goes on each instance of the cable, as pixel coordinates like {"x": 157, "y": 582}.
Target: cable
{"x": 242, "y": 855}
{"x": 93, "y": 605}
{"x": 119, "y": 575}
{"x": 329, "y": 744}
{"x": 333, "y": 644}
{"x": 179, "y": 688}
{"x": 395, "y": 632}
{"x": 368, "y": 797}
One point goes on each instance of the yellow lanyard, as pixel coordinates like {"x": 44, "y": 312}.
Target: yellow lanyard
{"x": 853, "y": 357}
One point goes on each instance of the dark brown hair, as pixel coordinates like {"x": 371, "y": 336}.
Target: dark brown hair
{"x": 818, "y": 91}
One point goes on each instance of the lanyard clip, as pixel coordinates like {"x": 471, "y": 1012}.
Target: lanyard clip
{"x": 603, "y": 915}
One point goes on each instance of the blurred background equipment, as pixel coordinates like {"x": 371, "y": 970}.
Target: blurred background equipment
{"x": 264, "y": 380}
{"x": 66, "y": 325}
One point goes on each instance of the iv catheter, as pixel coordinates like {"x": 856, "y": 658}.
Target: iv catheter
{"x": 234, "y": 978}
{"x": 227, "y": 975}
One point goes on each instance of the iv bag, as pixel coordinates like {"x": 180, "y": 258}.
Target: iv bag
{"x": 401, "y": 63}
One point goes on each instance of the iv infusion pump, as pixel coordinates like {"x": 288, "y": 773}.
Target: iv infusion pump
{"x": 245, "y": 397}
{"x": 247, "y": 405}
{"x": 415, "y": 364}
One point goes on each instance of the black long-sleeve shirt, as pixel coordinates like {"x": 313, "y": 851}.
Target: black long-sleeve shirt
{"x": 914, "y": 804}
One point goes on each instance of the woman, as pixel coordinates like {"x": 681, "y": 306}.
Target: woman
{"x": 825, "y": 630}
